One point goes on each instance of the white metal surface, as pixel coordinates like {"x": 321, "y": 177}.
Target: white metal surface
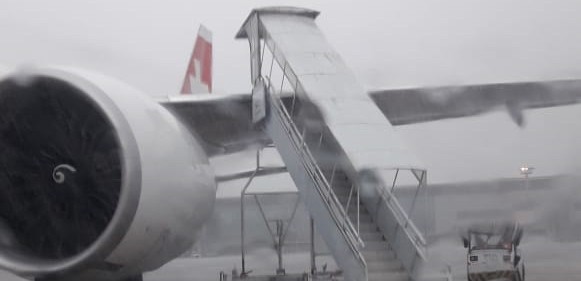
{"x": 369, "y": 141}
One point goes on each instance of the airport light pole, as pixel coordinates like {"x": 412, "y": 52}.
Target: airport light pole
{"x": 526, "y": 170}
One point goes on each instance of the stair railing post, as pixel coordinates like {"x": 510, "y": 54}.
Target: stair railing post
{"x": 271, "y": 64}
{"x": 382, "y": 196}
{"x": 279, "y": 242}
{"x": 348, "y": 203}
{"x": 413, "y": 204}
{"x": 303, "y": 138}
{"x": 294, "y": 98}
{"x": 283, "y": 77}
{"x": 313, "y": 258}
{"x": 358, "y": 207}
{"x": 242, "y": 196}
{"x": 332, "y": 179}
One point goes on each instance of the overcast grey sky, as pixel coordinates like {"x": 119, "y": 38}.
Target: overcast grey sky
{"x": 388, "y": 43}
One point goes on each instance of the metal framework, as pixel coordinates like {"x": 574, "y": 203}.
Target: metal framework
{"x": 279, "y": 233}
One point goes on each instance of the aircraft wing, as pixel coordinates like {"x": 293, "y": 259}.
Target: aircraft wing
{"x": 222, "y": 122}
{"x": 407, "y": 106}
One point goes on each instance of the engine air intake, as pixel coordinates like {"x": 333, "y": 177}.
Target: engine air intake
{"x": 60, "y": 168}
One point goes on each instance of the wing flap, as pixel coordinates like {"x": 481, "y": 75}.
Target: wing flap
{"x": 408, "y": 106}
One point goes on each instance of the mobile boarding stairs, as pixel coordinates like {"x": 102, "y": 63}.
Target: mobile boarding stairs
{"x": 340, "y": 150}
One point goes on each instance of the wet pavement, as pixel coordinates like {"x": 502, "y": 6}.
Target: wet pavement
{"x": 544, "y": 260}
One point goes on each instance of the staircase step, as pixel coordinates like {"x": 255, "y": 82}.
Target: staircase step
{"x": 338, "y": 178}
{"x": 381, "y": 253}
{"x": 344, "y": 197}
{"x": 352, "y": 205}
{"x": 340, "y": 184}
{"x": 382, "y": 265}
{"x": 343, "y": 186}
{"x": 367, "y": 227}
{"x": 362, "y": 218}
{"x": 377, "y": 245}
{"x": 370, "y": 236}
{"x": 344, "y": 192}
{"x": 387, "y": 276}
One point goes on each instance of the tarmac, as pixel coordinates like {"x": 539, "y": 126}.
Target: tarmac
{"x": 544, "y": 260}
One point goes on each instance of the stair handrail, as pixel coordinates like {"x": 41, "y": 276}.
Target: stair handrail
{"x": 332, "y": 203}
{"x": 408, "y": 226}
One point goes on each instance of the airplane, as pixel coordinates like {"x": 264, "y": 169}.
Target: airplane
{"x": 100, "y": 182}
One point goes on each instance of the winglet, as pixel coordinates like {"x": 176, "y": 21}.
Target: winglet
{"x": 198, "y": 78}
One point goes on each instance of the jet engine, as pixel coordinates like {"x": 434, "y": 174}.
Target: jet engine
{"x": 95, "y": 178}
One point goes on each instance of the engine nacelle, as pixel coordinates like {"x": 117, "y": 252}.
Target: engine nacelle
{"x": 96, "y": 179}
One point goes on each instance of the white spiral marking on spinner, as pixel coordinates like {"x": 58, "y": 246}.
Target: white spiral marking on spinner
{"x": 57, "y": 174}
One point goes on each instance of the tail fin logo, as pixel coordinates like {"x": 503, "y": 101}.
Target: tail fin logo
{"x": 198, "y": 78}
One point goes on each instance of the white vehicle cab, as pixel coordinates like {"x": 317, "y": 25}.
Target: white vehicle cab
{"x": 493, "y": 253}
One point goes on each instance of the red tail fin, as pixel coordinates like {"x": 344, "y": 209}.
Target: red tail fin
{"x": 198, "y": 78}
